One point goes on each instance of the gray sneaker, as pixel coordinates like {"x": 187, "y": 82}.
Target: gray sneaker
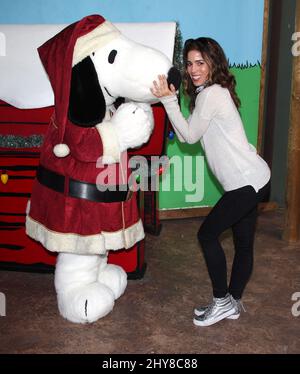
{"x": 200, "y": 310}
{"x": 219, "y": 309}
{"x": 239, "y": 306}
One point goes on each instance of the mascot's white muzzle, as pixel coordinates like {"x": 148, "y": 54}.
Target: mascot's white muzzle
{"x": 128, "y": 69}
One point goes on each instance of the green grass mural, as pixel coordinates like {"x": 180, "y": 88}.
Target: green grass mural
{"x": 248, "y": 88}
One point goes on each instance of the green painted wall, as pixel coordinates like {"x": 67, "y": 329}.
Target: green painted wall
{"x": 248, "y": 88}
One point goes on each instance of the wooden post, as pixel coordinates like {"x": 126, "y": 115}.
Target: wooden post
{"x": 292, "y": 219}
{"x": 263, "y": 75}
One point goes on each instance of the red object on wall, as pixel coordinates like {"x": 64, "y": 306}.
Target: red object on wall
{"x": 18, "y": 166}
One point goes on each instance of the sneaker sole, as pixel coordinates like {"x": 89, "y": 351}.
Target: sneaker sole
{"x": 232, "y": 316}
{"x": 206, "y": 323}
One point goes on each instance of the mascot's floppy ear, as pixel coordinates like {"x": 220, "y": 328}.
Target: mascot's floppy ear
{"x": 87, "y": 105}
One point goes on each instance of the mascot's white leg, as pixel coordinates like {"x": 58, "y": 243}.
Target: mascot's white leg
{"x": 113, "y": 276}
{"x": 81, "y": 298}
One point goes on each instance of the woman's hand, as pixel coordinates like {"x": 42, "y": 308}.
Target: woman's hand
{"x": 161, "y": 88}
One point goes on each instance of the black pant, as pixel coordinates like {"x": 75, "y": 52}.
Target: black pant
{"x": 236, "y": 209}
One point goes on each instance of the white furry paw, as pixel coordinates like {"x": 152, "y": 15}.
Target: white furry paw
{"x": 132, "y": 125}
{"x": 86, "y": 304}
{"x": 115, "y": 278}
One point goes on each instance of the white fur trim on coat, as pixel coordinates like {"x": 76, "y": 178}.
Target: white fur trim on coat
{"x": 94, "y": 40}
{"x": 84, "y": 244}
{"x": 111, "y": 147}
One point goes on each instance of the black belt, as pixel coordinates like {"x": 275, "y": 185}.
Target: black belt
{"x": 79, "y": 189}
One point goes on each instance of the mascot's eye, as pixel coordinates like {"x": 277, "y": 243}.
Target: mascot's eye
{"x": 112, "y": 56}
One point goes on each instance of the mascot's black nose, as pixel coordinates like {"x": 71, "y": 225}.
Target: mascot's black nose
{"x": 174, "y": 77}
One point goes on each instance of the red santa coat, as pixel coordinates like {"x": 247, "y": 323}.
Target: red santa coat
{"x": 63, "y": 223}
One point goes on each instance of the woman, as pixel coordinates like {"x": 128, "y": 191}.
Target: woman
{"x": 243, "y": 174}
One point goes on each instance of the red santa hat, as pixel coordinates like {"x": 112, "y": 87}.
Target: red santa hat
{"x": 60, "y": 53}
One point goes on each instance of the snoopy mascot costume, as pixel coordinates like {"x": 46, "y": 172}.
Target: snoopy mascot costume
{"x": 90, "y": 64}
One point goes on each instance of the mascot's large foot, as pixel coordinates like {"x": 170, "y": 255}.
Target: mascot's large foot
{"x": 86, "y": 304}
{"x": 112, "y": 276}
{"x": 81, "y": 298}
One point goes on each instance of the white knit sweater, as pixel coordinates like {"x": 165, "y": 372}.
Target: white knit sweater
{"x": 216, "y": 122}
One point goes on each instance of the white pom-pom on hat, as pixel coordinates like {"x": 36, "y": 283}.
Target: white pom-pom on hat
{"x": 61, "y": 150}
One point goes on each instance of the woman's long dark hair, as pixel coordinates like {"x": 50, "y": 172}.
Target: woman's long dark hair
{"x": 214, "y": 56}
